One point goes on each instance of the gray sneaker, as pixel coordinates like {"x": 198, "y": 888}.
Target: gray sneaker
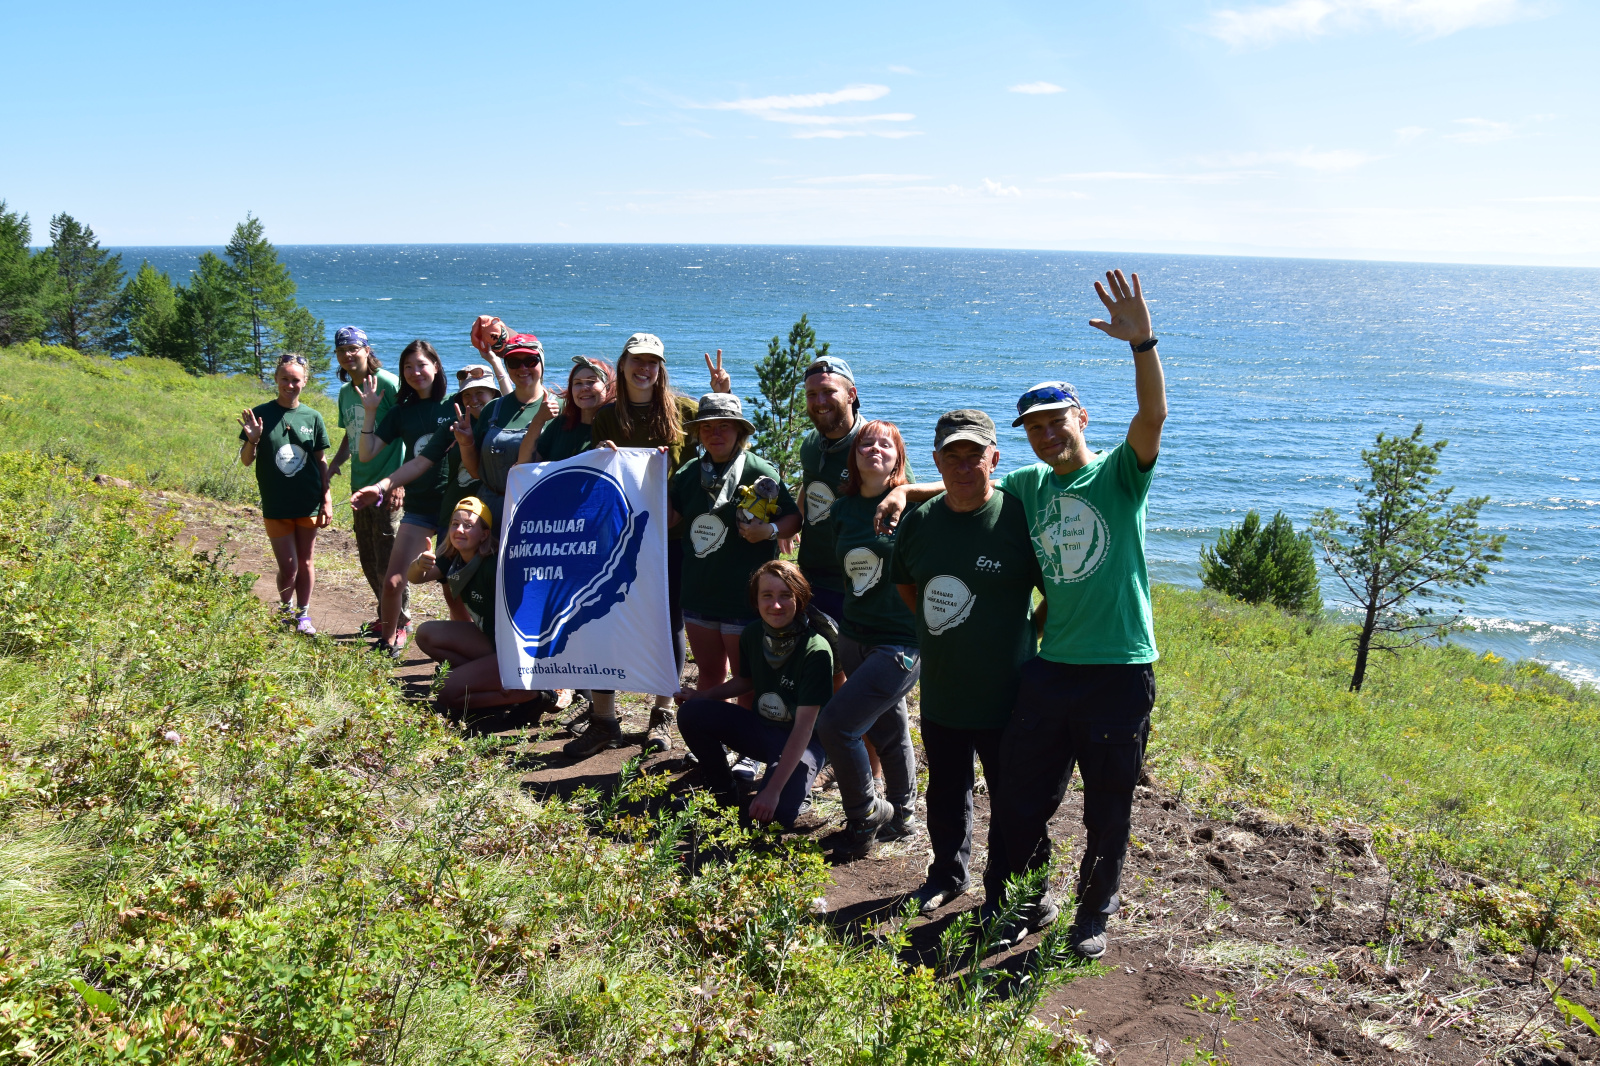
{"x": 602, "y": 735}
{"x": 862, "y": 833}
{"x": 1088, "y": 935}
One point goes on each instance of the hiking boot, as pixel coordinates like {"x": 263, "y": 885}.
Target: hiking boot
{"x": 933, "y": 895}
{"x": 825, "y": 780}
{"x": 602, "y": 735}
{"x": 579, "y": 715}
{"x": 899, "y": 827}
{"x": 1088, "y": 935}
{"x": 1006, "y": 934}
{"x": 862, "y": 833}
{"x": 658, "y": 735}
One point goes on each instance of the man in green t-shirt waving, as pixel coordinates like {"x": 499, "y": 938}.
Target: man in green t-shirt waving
{"x": 1086, "y": 699}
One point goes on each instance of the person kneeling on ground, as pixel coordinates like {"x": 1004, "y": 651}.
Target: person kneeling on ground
{"x": 788, "y": 667}
{"x": 466, "y": 565}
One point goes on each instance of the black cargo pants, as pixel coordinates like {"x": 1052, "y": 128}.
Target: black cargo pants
{"x": 1096, "y": 717}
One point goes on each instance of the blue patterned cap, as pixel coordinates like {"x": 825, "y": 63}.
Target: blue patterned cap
{"x": 349, "y": 337}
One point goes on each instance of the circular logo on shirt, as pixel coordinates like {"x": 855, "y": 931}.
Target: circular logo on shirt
{"x": 290, "y": 458}
{"x": 771, "y": 707}
{"x": 819, "y": 502}
{"x": 422, "y": 442}
{"x": 863, "y": 567}
{"x": 946, "y": 603}
{"x": 1070, "y": 539}
{"x": 706, "y": 534}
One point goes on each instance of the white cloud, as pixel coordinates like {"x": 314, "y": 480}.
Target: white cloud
{"x": 1407, "y": 134}
{"x": 1136, "y": 175}
{"x": 901, "y": 70}
{"x": 1480, "y": 131}
{"x": 1553, "y": 200}
{"x": 1305, "y": 158}
{"x": 832, "y": 120}
{"x": 1036, "y": 88}
{"x": 896, "y": 134}
{"x": 850, "y": 94}
{"x": 862, "y": 179}
{"x": 994, "y": 188}
{"x": 831, "y": 134}
{"x": 1305, "y": 19}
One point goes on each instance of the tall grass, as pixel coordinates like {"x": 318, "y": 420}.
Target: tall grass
{"x": 220, "y": 841}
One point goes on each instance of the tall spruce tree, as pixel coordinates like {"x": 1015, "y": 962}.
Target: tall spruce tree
{"x": 87, "y": 285}
{"x": 150, "y": 314}
{"x": 779, "y": 413}
{"x": 265, "y": 291}
{"x": 24, "y": 281}
{"x": 215, "y": 335}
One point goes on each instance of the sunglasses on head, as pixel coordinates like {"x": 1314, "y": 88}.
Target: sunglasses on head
{"x": 284, "y": 360}
{"x": 1047, "y": 394}
{"x": 471, "y": 373}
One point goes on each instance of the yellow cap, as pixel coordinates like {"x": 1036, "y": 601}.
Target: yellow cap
{"x": 473, "y": 505}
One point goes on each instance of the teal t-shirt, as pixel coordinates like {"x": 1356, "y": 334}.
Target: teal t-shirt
{"x": 822, "y": 476}
{"x": 416, "y": 423}
{"x": 352, "y": 416}
{"x": 873, "y": 611}
{"x": 1088, "y": 532}
{"x": 805, "y": 678}
{"x": 975, "y": 572}
{"x": 717, "y": 561}
{"x": 289, "y": 479}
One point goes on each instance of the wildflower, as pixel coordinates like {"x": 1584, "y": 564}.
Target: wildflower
{"x": 171, "y": 737}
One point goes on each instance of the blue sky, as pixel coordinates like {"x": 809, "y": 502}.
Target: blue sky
{"x": 1458, "y": 130}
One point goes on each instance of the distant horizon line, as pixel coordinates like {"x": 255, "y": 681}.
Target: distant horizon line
{"x": 1301, "y": 256}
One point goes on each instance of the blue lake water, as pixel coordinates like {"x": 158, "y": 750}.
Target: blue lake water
{"x": 1278, "y": 371}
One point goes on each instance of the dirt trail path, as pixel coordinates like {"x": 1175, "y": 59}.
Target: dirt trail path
{"x": 1285, "y": 919}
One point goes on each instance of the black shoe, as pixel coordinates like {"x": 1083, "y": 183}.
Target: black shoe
{"x": 1088, "y": 935}
{"x": 899, "y": 827}
{"x": 1003, "y": 934}
{"x": 933, "y": 895}
{"x": 602, "y": 734}
{"x": 862, "y": 833}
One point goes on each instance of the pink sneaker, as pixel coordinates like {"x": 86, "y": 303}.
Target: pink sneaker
{"x": 303, "y": 625}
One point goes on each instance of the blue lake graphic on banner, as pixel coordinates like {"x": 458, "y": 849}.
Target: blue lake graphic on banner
{"x": 572, "y": 553}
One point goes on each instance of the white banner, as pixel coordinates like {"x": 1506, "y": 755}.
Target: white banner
{"x": 582, "y": 585}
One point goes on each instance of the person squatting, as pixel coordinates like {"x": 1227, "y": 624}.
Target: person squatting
{"x": 1021, "y": 604}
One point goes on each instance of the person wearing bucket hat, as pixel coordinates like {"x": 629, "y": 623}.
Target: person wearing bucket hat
{"x": 647, "y": 413}
{"x": 491, "y": 446}
{"x": 374, "y": 528}
{"x": 465, "y": 564}
{"x": 1086, "y": 698}
{"x": 591, "y": 384}
{"x": 724, "y": 542}
{"x": 964, "y": 564}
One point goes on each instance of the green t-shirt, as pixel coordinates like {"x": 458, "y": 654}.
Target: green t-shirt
{"x": 476, "y": 592}
{"x": 458, "y": 483}
{"x": 975, "y": 573}
{"x": 822, "y": 475}
{"x": 286, "y": 471}
{"x": 805, "y": 678}
{"x": 417, "y": 423}
{"x": 606, "y": 427}
{"x": 873, "y": 611}
{"x": 557, "y": 442}
{"x": 352, "y": 416}
{"x": 717, "y": 561}
{"x": 1088, "y": 531}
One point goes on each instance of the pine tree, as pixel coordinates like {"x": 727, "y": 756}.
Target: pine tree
{"x": 264, "y": 289}
{"x": 150, "y": 312}
{"x": 24, "y": 281}
{"x": 215, "y": 337}
{"x": 307, "y": 335}
{"x": 88, "y": 281}
{"x": 779, "y": 413}
{"x": 1270, "y": 564}
{"x": 1407, "y": 540}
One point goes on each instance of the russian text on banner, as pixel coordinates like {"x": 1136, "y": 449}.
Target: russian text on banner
{"x": 582, "y": 590}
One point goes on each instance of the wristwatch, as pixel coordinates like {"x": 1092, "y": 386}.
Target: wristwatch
{"x": 774, "y": 534}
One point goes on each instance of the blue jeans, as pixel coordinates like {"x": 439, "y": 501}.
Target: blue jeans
{"x": 872, "y": 704}
{"x": 707, "y": 725}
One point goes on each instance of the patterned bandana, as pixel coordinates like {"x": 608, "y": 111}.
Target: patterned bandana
{"x": 349, "y": 337}
{"x": 778, "y": 644}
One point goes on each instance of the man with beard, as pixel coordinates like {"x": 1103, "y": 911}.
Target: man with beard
{"x": 835, "y": 409}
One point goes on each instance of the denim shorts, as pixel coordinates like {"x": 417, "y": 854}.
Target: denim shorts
{"x": 430, "y": 523}
{"x": 730, "y": 627}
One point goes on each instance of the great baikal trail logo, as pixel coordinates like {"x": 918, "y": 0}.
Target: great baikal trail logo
{"x": 562, "y": 573}
{"x": 1070, "y": 539}
{"x": 290, "y": 458}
